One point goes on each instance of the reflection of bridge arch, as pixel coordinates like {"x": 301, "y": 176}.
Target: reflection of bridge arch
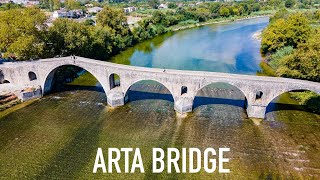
{"x": 47, "y": 84}
{"x": 168, "y": 97}
{"x": 195, "y": 105}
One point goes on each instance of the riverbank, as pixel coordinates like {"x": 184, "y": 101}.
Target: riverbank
{"x": 217, "y": 21}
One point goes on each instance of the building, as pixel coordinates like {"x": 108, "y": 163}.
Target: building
{"x": 94, "y": 10}
{"x": 163, "y": 6}
{"x": 67, "y": 14}
{"x": 22, "y": 2}
{"x": 130, "y": 9}
{"x": 59, "y": 14}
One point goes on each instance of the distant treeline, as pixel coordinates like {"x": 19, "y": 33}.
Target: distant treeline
{"x": 24, "y": 34}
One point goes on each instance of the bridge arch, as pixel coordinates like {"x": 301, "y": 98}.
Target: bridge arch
{"x": 169, "y": 97}
{"x": 287, "y": 91}
{"x": 199, "y": 101}
{"x": 32, "y": 76}
{"x": 48, "y": 78}
{"x": 283, "y": 92}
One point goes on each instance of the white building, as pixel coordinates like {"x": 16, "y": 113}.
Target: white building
{"x": 163, "y": 6}
{"x": 94, "y": 10}
{"x": 130, "y": 9}
{"x": 59, "y": 14}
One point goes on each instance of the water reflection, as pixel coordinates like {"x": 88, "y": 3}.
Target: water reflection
{"x": 220, "y": 48}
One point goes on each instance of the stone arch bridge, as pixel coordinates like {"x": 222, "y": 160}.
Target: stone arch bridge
{"x": 183, "y": 85}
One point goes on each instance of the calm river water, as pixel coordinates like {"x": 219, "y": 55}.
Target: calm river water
{"x": 58, "y": 135}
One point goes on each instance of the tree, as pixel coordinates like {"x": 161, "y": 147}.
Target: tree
{"x": 114, "y": 19}
{"x": 172, "y": 5}
{"x": 21, "y": 33}
{"x": 56, "y": 4}
{"x": 256, "y": 7}
{"x": 154, "y": 3}
{"x": 281, "y": 13}
{"x": 304, "y": 63}
{"x": 70, "y": 38}
{"x": 225, "y": 12}
{"x": 285, "y": 32}
{"x": 73, "y": 4}
{"x": 25, "y": 48}
{"x": 214, "y": 7}
{"x": 289, "y": 3}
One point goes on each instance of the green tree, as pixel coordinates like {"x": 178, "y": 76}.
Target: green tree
{"x": 225, "y": 12}
{"x": 304, "y": 63}
{"x": 281, "y": 13}
{"x": 70, "y": 38}
{"x": 154, "y": 3}
{"x": 21, "y": 33}
{"x": 56, "y": 4}
{"x": 214, "y": 7}
{"x": 285, "y": 32}
{"x": 172, "y": 5}
{"x": 72, "y": 4}
{"x": 289, "y": 3}
{"x": 114, "y": 19}
{"x": 25, "y": 48}
{"x": 256, "y": 7}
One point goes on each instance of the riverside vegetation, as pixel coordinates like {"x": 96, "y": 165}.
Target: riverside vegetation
{"x": 291, "y": 43}
{"x": 24, "y": 34}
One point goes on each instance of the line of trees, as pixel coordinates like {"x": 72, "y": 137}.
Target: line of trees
{"x": 24, "y": 34}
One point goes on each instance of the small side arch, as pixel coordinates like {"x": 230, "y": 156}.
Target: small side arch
{"x": 199, "y": 100}
{"x": 32, "y": 76}
{"x": 270, "y": 105}
{"x": 150, "y": 95}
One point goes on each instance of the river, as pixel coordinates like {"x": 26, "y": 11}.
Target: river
{"x": 58, "y": 135}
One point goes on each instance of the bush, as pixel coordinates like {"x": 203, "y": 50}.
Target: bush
{"x": 309, "y": 99}
{"x": 188, "y": 22}
{"x": 276, "y": 57}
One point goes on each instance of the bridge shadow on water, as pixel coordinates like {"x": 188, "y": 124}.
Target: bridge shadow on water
{"x": 202, "y": 101}
{"x": 274, "y": 106}
{"x": 67, "y": 87}
{"x": 140, "y": 95}
{"x": 136, "y": 95}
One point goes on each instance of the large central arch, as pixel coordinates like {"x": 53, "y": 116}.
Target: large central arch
{"x": 47, "y": 84}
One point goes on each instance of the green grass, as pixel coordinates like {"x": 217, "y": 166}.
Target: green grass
{"x": 85, "y": 79}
